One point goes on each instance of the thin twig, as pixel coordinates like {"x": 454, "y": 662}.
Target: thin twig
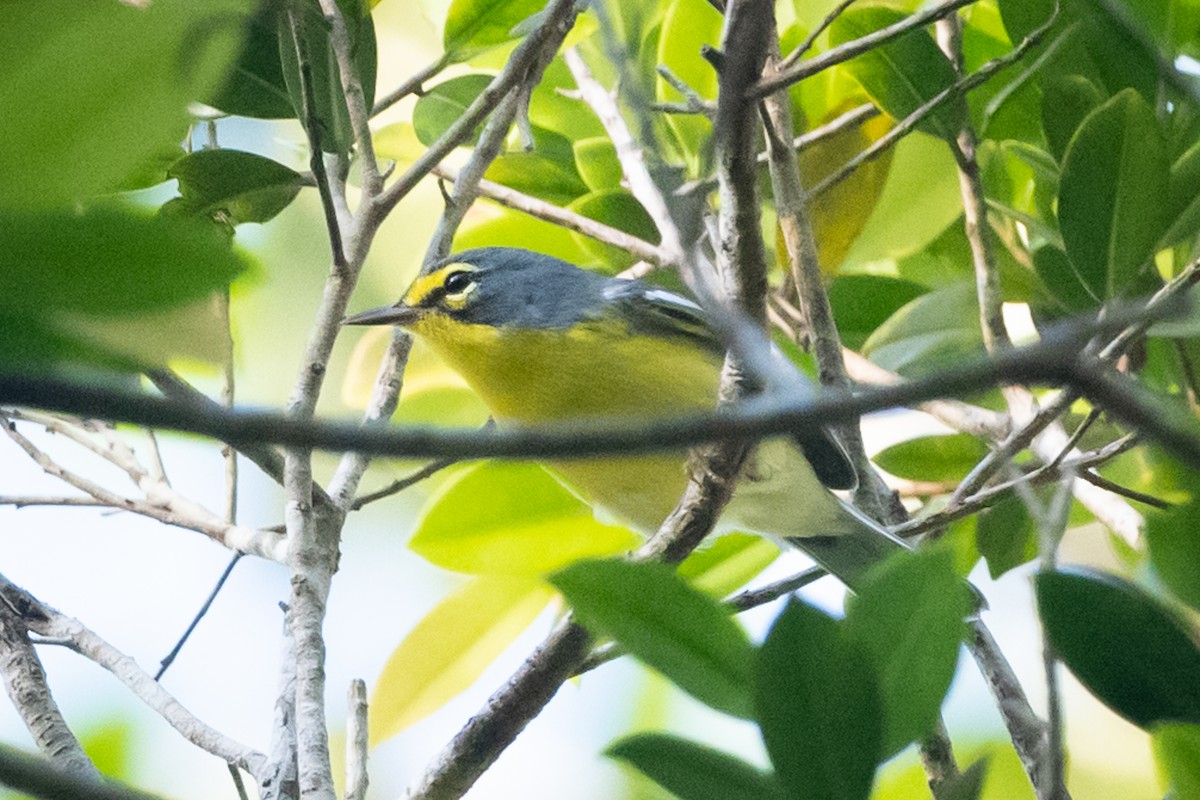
{"x": 411, "y": 86}
{"x": 170, "y": 657}
{"x": 847, "y": 51}
{"x": 51, "y": 623}
{"x": 536, "y": 207}
{"x": 811, "y": 39}
{"x": 397, "y": 486}
{"x": 959, "y": 87}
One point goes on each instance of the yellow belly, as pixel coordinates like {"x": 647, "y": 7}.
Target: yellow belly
{"x": 532, "y": 377}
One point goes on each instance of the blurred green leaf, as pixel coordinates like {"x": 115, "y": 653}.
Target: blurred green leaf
{"x": 677, "y": 630}
{"x": 687, "y": 28}
{"x": 442, "y": 105}
{"x": 1177, "y": 751}
{"x": 619, "y": 209}
{"x": 1062, "y": 281}
{"x": 551, "y": 109}
{"x": 109, "y": 260}
{"x": 903, "y": 74}
{"x": 933, "y": 458}
{"x": 596, "y": 161}
{"x": 511, "y": 519}
{"x": 110, "y": 747}
{"x": 312, "y": 36}
{"x": 548, "y": 171}
{"x": 728, "y": 564}
{"x": 255, "y": 86}
{"x": 933, "y": 331}
{"x": 861, "y": 303}
{"x": 1130, "y": 652}
{"x": 1066, "y": 102}
{"x": 1183, "y": 203}
{"x": 93, "y": 90}
{"x": 505, "y": 227}
{"x": 908, "y": 617}
{"x": 1006, "y": 536}
{"x": 238, "y": 187}
{"x": 818, "y": 704}
{"x": 473, "y": 26}
{"x": 920, "y": 199}
{"x": 1116, "y": 163}
{"x": 450, "y": 648}
{"x": 1174, "y": 540}
{"x": 692, "y": 771}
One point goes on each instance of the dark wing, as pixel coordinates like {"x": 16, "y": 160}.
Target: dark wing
{"x": 659, "y": 312}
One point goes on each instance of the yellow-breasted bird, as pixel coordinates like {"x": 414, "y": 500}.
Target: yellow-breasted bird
{"x": 541, "y": 340}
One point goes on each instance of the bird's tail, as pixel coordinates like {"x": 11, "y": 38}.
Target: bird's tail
{"x": 858, "y": 544}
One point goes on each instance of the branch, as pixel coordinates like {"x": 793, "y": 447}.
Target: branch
{"x": 357, "y": 744}
{"x": 849, "y": 50}
{"x": 558, "y": 19}
{"x": 25, "y": 681}
{"x": 174, "y": 510}
{"x": 959, "y": 87}
{"x": 49, "y": 622}
{"x": 39, "y": 778}
{"x": 411, "y": 86}
{"x": 572, "y": 221}
{"x": 1050, "y": 361}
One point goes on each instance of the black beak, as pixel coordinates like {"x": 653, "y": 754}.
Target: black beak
{"x": 388, "y": 315}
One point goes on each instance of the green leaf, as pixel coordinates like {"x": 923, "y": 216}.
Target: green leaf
{"x": 903, "y": 74}
{"x": 93, "y": 90}
{"x": 935, "y": 330}
{"x": 473, "y": 26}
{"x": 1130, "y": 652}
{"x": 1006, "y": 535}
{"x": 513, "y": 227}
{"x": 861, "y": 303}
{"x": 817, "y": 704}
{"x": 328, "y": 107}
{"x": 1111, "y": 198}
{"x": 920, "y": 199}
{"x": 1174, "y": 540}
{"x": 548, "y": 171}
{"x": 908, "y": 616}
{"x": 1066, "y": 102}
{"x": 677, "y": 630}
{"x": 1184, "y": 198}
{"x": 728, "y": 564}
{"x": 596, "y": 161}
{"x": 687, "y": 28}
{"x": 109, "y": 260}
{"x": 1177, "y": 751}
{"x": 511, "y": 519}
{"x": 619, "y": 209}
{"x": 239, "y": 187}
{"x": 442, "y": 105}
{"x": 692, "y": 771}
{"x": 1062, "y": 281}
{"x": 450, "y": 648}
{"x": 255, "y": 87}
{"x": 933, "y": 458}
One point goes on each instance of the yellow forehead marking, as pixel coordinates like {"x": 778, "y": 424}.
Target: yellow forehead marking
{"x": 425, "y": 284}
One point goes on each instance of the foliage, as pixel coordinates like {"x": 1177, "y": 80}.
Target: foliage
{"x": 1077, "y": 125}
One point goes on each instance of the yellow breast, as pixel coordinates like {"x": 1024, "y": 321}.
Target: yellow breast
{"x": 588, "y": 372}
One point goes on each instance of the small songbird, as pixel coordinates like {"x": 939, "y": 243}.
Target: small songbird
{"x": 541, "y": 340}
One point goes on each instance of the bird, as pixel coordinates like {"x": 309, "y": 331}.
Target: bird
{"x": 541, "y": 340}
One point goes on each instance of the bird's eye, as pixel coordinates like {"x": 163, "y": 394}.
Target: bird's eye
{"x": 458, "y": 282}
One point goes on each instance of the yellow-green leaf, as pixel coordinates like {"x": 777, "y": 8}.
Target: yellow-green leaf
{"x": 512, "y": 519}
{"x": 729, "y": 563}
{"x": 450, "y": 648}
